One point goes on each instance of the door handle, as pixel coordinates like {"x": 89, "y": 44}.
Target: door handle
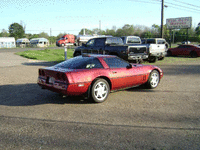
{"x": 114, "y": 72}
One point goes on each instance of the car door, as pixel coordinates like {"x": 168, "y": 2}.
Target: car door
{"x": 122, "y": 76}
{"x": 99, "y": 46}
{"x": 187, "y": 50}
{"x": 89, "y": 46}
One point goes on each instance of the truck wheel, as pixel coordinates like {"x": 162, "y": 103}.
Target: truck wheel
{"x": 77, "y": 54}
{"x": 62, "y": 44}
{"x": 153, "y": 59}
{"x": 161, "y": 58}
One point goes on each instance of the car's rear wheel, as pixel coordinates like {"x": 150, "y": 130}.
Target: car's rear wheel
{"x": 154, "y": 79}
{"x": 100, "y": 91}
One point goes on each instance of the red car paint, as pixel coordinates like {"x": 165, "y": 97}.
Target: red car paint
{"x": 185, "y": 49}
{"x": 77, "y": 81}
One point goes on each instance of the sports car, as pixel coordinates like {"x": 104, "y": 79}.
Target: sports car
{"x": 186, "y": 50}
{"x": 94, "y": 76}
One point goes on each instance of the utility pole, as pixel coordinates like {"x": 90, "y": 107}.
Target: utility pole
{"x": 99, "y": 26}
{"x": 50, "y": 32}
{"x": 162, "y": 17}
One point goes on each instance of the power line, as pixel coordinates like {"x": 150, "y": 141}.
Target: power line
{"x": 172, "y": 5}
{"x": 186, "y": 3}
{"x": 182, "y": 6}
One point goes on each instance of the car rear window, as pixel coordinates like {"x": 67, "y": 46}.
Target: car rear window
{"x": 80, "y": 63}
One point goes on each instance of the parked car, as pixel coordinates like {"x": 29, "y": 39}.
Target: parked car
{"x": 94, "y": 76}
{"x": 185, "y": 49}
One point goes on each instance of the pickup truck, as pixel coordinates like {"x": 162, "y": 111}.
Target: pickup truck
{"x": 113, "y": 46}
{"x": 157, "y": 48}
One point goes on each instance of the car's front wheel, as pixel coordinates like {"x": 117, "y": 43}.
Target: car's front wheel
{"x": 100, "y": 90}
{"x": 193, "y": 54}
{"x": 154, "y": 79}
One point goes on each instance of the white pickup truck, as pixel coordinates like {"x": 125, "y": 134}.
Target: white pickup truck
{"x": 156, "y": 48}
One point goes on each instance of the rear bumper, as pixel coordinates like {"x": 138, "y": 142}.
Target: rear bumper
{"x": 137, "y": 56}
{"x": 158, "y": 54}
{"x": 55, "y": 87}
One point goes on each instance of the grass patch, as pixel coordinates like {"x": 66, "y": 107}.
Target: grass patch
{"x": 58, "y": 55}
{"x": 47, "y": 54}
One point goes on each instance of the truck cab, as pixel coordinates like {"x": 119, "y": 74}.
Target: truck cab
{"x": 65, "y": 39}
{"x": 131, "y": 39}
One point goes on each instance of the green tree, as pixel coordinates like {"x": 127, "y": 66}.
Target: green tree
{"x": 60, "y": 35}
{"x": 43, "y": 35}
{"x": 87, "y": 32}
{"x": 16, "y": 30}
{"x": 128, "y": 30}
{"x": 110, "y": 32}
{"x": 52, "y": 39}
{"x": 4, "y": 33}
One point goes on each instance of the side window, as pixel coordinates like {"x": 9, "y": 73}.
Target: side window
{"x": 90, "y": 42}
{"x": 93, "y": 63}
{"x": 100, "y": 42}
{"x": 161, "y": 42}
{"x": 115, "y": 62}
{"x": 149, "y": 41}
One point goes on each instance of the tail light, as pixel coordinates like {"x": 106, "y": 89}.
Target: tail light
{"x": 61, "y": 76}
{"x": 41, "y": 73}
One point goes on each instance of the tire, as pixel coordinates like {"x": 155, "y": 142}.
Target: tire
{"x": 154, "y": 79}
{"x": 100, "y": 91}
{"x": 161, "y": 58}
{"x": 193, "y": 54}
{"x": 77, "y": 54}
{"x": 153, "y": 59}
{"x": 169, "y": 53}
{"x": 62, "y": 44}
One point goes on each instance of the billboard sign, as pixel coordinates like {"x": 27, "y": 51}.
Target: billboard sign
{"x": 179, "y": 23}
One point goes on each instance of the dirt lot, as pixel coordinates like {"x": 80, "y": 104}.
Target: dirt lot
{"x": 167, "y": 117}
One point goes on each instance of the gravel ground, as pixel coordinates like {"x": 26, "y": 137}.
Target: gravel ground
{"x": 167, "y": 117}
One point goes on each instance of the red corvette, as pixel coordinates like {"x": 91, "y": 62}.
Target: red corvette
{"x": 187, "y": 50}
{"x": 96, "y": 75}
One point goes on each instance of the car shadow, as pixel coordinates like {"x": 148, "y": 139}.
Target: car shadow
{"x": 32, "y": 94}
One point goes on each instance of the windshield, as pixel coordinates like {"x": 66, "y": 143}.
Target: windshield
{"x": 133, "y": 40}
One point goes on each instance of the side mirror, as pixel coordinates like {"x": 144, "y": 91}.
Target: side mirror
{"x": 129, "y": 66}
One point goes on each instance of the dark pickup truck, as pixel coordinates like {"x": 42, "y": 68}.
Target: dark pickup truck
{"x": 113, "y": 46}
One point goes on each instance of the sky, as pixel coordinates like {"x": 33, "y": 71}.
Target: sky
{"x": 70, "y": 16}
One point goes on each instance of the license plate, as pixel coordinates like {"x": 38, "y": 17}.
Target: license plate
{"x": 51, "y": 80}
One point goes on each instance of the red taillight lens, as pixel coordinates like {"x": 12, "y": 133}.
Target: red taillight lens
{"x": 58, "y": 76}
{"x": 64, "y": 77}
{"x": 41, "y": 73}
